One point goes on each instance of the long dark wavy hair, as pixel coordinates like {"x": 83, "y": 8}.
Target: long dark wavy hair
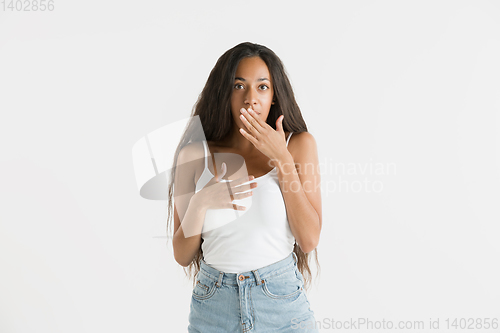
{"x": 213, "y": 108}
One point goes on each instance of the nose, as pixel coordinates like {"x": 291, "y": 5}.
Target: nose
{"x": 250, "y": 97}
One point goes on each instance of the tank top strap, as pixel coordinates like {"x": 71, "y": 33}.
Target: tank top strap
{"x": 206, "y": 154}
{"x": 289, "y": 138}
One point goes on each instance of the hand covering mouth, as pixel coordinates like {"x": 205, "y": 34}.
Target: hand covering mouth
{"x": 254, "y": 110}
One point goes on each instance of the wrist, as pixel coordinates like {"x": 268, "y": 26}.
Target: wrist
{"x": 285, "y": 166}
{"x": 284, "y": 161}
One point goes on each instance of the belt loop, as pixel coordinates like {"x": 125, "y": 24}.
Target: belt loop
{"x": 257, "y": 276}
{"x": 219, "y": 282}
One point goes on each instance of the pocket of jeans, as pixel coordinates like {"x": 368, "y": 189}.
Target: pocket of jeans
{"x": 204, "y": 288}
{"x": 284, "y": 286}
{"x": 299, "y": 276}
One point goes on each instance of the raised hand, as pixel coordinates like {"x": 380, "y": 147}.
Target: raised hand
{"x": 221, "y": 194}
{"x": 268, "y": 141}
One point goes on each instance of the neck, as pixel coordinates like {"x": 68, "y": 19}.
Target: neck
{"x": 237, "y": 141}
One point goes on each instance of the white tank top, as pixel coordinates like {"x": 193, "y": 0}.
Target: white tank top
{"x": 240, "y": 241}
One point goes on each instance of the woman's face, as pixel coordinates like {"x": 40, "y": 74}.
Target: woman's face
{"x": 253, "y": 87}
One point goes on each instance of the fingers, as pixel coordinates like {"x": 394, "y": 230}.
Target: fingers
{"x": 223, "y": 172}
{"x": 242, "y": 180}
{"x": 251, "y": 117}
{"x": 236, "y": 185}
{"x": 250, "y": 123}
{"x": 236, "y": 207}
{"x": 240, "y": 196}
{"x": 243, "y": 188}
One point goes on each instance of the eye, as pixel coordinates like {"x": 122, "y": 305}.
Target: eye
{"x": 262, "y": 86}
{"x": 238, "y": 85}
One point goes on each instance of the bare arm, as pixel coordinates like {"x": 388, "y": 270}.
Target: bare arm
{"x": 301, "y": 191}
{"x": 187, "y": 235}
{"x": 187, "y": 238}
{"x": 191, "y": 208}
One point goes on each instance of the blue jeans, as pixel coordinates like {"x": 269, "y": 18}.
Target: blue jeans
{"x": 268, "y": 299}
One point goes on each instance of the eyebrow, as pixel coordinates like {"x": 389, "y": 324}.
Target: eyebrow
{"x": 261, "y": 79}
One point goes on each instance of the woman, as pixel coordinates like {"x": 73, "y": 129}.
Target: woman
{"x": 248, "y": 235}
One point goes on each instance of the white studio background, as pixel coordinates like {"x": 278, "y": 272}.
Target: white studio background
{"x": 404, "y": 95}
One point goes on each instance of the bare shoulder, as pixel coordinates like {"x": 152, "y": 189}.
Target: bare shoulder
{"x": 301, "y": 137}
{"x": 300, "y": 144}
{"x": 192, "y": 151}
{"x": 191, "y": 158}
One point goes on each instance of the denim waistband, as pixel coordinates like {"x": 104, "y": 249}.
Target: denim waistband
{"x": 249, "y": 277}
